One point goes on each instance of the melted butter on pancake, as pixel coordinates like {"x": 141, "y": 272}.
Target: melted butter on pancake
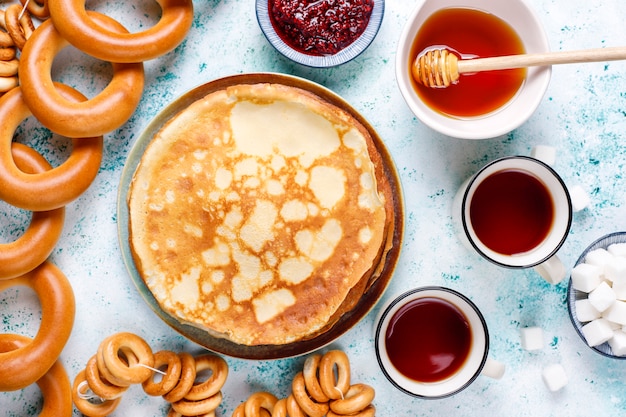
{"x": 255, "y": 211}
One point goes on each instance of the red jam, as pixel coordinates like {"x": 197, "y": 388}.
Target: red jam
{"x": 320, "y": 27}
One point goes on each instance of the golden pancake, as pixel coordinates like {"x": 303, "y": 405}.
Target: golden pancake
{"x": 260, "y": 213}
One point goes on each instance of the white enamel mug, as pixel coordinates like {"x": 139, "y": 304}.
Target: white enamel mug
{"x": 542, "y": 257}
{"x": 475, "y": 363}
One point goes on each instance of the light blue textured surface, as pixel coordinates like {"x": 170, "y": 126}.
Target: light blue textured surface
{"x": 583, "y": 116}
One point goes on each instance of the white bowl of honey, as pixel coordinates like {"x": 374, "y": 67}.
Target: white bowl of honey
{"x": 481, "y": 105}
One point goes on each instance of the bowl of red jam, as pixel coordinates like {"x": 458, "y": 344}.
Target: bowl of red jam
{"x": 320, "y": 33}
{"x": 481, "y": 105}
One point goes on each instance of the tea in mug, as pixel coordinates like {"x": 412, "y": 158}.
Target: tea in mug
{"x": 511, "y": 211}
{"x": 428, "y": 339}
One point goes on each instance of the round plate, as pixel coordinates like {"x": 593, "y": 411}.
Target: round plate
{"x": 573, "y": 295}
{"x": 224, "y": 346}
{"x": 347, "y": 54}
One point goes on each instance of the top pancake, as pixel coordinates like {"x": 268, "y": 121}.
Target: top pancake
{"x": 256, "y": 210}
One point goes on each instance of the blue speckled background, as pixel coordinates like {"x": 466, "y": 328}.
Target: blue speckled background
{"x": 583, "y": 116}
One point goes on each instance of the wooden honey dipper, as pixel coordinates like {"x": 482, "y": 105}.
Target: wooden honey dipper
{"x": 439, "y": 67}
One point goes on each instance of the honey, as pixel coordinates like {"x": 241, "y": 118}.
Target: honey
{"x": 470, "y": 33}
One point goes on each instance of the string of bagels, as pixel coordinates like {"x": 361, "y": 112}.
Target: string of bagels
{"x": 32, "y": 33}
{"x": 29, "y": 182}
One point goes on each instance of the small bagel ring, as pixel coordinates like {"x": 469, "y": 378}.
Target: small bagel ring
{"x": 259, "y": 401}
{"x": 122, "y": 373}
{"x": 293, "y": 409}
{"x": 87, "y": 407}
{"x": 335, "y": 388}
{"x": 19, "y": 24}
{"x": 369, "y": 411}
{"x": 311, "y": 378}
{"x": 52, "y": 188}
{"x": 39, "y": 9}
{"x": 54, "y": 385}
{"x": 37, "y": 242}
{"x": 358, "y": 397}
{"x": 100, "y": 386}
{"x": 196, "y": 408}
{"x": 310, "y": 407}
{"x": 171, "y": 377}
{"x": 210, "y": 387}
{"x": 77, "y": 26}
{"x": 127, "y": 356}
{"x": 24, "y": 366}
{"x": 105, "y": 112}
{"x": 187, "y": 378}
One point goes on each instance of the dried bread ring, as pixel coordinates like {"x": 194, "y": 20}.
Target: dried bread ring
{"x": 358, "y": 397}
{"x": 311, "y": 378}
{"x": 335, "y": 388}
{"x": 259, "y": 401}
{"x": 52, "y": 188}
{"x": 369, "y": 411}
{"x": 293, "y": 409}
{"x": 19, "y": 25}
{"x": 105, "y": 112}
{"x": 187, "y": 378}
{"x": 5, "y": 39}
{"x": 310, "y": 407}
{"x": 171, "y": 377}
{"x": 84, "y": 405}
{"x": 196, "y": 408}
{"x": 87, "y": 34}
{"x": 7, "y": 53}
{"x": 39, "y": 9}
{"x": 8, "y": 83}
{"x": 122, "y": 372}
{"x": 9, "y": 68}
{"x": 24, "y": 366}
{"x": 211, "y": 386}
{"x": 54, "y": 385}
{"x": 38, "y": 241}
{"x": 125, "y": 355}
{"x": 99, "y": 385}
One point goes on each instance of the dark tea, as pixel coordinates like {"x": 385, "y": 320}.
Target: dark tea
{"x": 511, "y": 212}
{"x": 428, "y": 339}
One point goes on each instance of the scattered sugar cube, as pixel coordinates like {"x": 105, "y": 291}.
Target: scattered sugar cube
{"x": 616, "y": 313}
{"x": 580, "y": 198}
{"x": 544, "y": 153}
{"x": 618, "y": 343}
{"x": 597, "y": 332}
{"x": 554, "y": 377}
{"x": 615, "y": 268}
{"x": 586, "y": 277}
{"x": 585, "y": 311}
{"x": 493, "y": 369}
{"x": 617, "y": 249}
{"x": 599, "y": 257}
{"x": 532, "y": 338}
{"x": 602, "y": 297}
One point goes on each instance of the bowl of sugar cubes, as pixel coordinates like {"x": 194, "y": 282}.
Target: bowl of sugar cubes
{"x": 596, "y": 295}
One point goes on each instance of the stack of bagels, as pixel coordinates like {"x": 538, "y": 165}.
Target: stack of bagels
{"x": 29, "y": 182}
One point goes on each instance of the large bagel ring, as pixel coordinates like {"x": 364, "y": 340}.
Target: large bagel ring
{"x": 37, "y": 242}
{"x": 23, "y": 366}
{"x": 54, "y": 384}
{"x": 50, "y": 188}
{"x": 105, "y": 112}
{"x": 89, "y": 35}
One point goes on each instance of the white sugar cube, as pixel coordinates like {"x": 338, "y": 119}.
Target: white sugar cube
{"x": 617, "y": 249}
{"x": 615, "y": 268}
{"x": 532, "y": 338}
{"x": 580, "y": 198}
{"x": 585, "y": 311}
{"x": 586, "y": 277}
{"x": 597, "y": 332}
{"x": 619, "y": 288}
{"x": 618, "y": 343}
{"x": 599, "y": 257}
{"x": 602, "y": 297}
{"x": 616, "y": 313}
{"x": 544, "y": 153}
{"x": 554, "y": 377}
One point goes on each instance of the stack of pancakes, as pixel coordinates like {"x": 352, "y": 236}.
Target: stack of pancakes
{"x": 260, "y": 213}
